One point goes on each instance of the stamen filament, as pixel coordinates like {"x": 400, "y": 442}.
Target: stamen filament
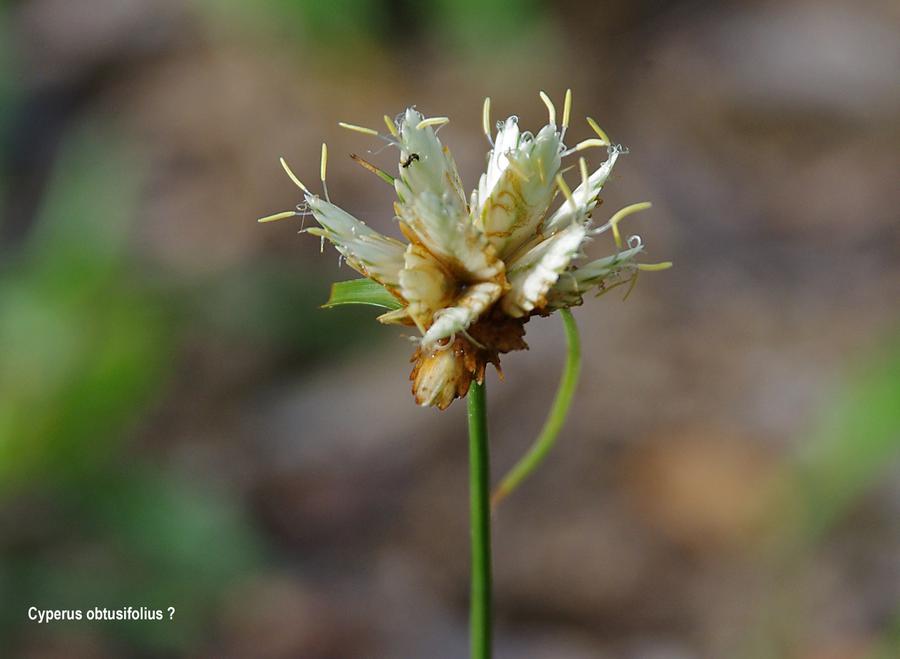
{"x": 551, "y": 109}
{"x": 621, "y": 215}
{"x": 391, "y": 126}
{"x": 582, "y": 164}
{"x": 654, "y": 267}
{"x": 633, "y": 283}
{"x": 600, "y": 132}
{"x": 358, "y": 129}
{"x": 603, "y": 290}
{"x": 567, "y": 111}
{"x": 589, "y": 143}
{"x": 380, "y": 173}
{"x": 323, "y": 169}
{"x": 433, "y": 121}
{"x": 567, "y": 192}
{"x": 277, "y": 216}
{"x": 486, "y": 117}
{"x": 292, "y": 176}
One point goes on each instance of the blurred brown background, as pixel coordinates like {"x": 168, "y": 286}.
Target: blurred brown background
{"x": 181, "y": 425}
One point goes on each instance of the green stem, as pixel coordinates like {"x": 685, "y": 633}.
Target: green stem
{"x": 480, "y": 524}
{"x": 557, "y": 417}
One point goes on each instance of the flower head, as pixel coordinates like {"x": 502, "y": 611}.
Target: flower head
{"x": 473, "y": 270}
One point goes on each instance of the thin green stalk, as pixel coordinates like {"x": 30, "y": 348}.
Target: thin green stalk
{"x": 557, "y": 417}
{"x": 480, "y": 524}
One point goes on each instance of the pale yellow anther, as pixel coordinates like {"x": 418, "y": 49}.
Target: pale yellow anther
{"x": 654, "y": 267}
{"x": 277, "y": 216}
{"x": 621, "y": 215}
{"x": 292, "y": 176}
{"x": 589, "y": 143}
{"x": 323, "y": 167}
{"x": 358, "y": 129}
{"x": 551, "y": 109}
{"x": 600, "y": 132}
{"x": 390, "y": 125}
{"x": 582, "y": 165}
{"x": 486, "y": 117}
{"x": 433, "y": 121}
{"x": 567, "y": 192}
{"x": 567, "y": 109}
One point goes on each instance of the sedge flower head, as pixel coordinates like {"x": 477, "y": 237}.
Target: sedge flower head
{"x": 473, "y": 269}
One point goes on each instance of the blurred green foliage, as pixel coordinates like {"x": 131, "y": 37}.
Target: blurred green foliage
{"x": 856, "y": 446}
{"x": 343, "y": 27}
{"x": 856, "y": 443}
{"x": 274, "y": 305}
{"x": 88, "y": 338}
{"x": 478, "y": 26}
{"x": 82, "y": 344}
{"x": 135, "y": 538}
{"x": 336, "y": 22}
{"x": 852, "y": 448}
{"x": 85, "y": 344}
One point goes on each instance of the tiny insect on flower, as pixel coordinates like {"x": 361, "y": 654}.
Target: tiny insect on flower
{"x": 474, "y": 269}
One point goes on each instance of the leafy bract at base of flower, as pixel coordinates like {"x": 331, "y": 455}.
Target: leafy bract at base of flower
{"x": 471, "y": 274}
{"x": 362, "y": 291}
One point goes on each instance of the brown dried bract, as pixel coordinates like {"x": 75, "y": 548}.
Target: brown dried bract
{"x": 444, "y": 373}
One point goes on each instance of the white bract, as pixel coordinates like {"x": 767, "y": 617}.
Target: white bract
{"x": 471, "y": 273}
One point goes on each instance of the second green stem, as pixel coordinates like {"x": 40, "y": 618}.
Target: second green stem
{"x": 554, "y": 423}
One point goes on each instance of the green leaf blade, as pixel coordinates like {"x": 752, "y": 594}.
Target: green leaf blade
{"x": 361, "y": 291}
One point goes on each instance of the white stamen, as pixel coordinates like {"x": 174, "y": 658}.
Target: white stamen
{"x": 391, "y": 126}
{"x": 567, "y": 111}
{"x": 561, "y": 182}
{"x": 433, "y": 121}
{"x": 358, "y": 129}
{"x": 277, "y": 216}
{"x": 292, "y": 176}
{"x": 486, "y": 119}
{"x": 323, "y": 169}
{"x": 585, "y": 144}
{"x": 600, "y": 132}
{"x": 654, "y": 267}
{"x": 621, "y": 215}
{"x": 551, "y": 109}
